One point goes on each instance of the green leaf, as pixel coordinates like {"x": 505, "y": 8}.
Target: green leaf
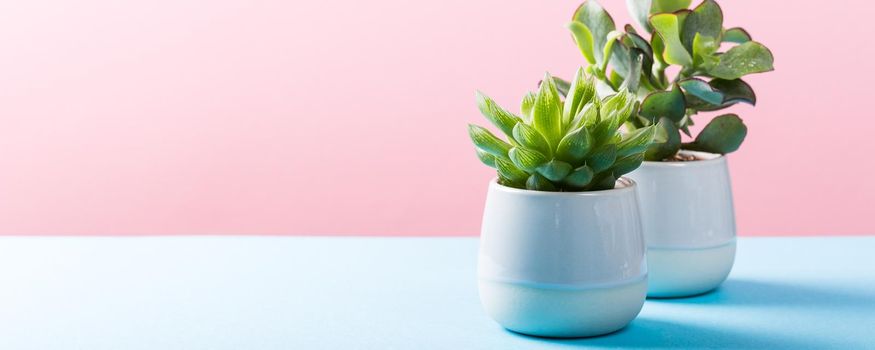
{"x": 637, "y": 141}
{"x": 587, "y": 116}
{"x": 748, "y": 58}
{"x": 574, "y": 147}
{"x": 584, "y": 40}
{"x": 501, "y": 118}
{"x": 602, "y": 158}
{"x": 527, "y": 105}
{"x": 667, "y": 27}
{"x": 705, "y": 20}
{"x": 664, "y": 6}
{"x": 702, "y": 90}
{"x": 530, "y": 138}
{"x": 536, "y": 182}
{"x": 526, "y": 159}
{"x": 734, "y": 91}
{"x": 509, "y": 172}
{"x": 659, "y": 104}
{"x": 486, "y": 158}
{"x": 580, "y": 177}
{"x": 599, "y": 23}
{"x": 736, "y": 35}
{"x": 724, "y": 134}
{"x": 487, "y": 142}
{"x": 547, "y": 114}
{"x": 627, "y": 164}
{"x": 562, "y": 85}
{"x": 671, "y": 146}
{"x": 704, "y": 49}
{"x": 603, "y": 182}
{"x": 581, "y": 91}
{"x": 555, "y": 170}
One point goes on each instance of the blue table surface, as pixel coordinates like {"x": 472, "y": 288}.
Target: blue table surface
{"x": 393, "y": 293}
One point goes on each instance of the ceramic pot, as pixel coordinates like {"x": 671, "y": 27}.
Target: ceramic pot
{"x": 689, "y": 224}
{"x": 568, "y": 264}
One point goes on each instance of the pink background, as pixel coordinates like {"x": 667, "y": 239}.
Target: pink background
{"x": 348, "y": 117}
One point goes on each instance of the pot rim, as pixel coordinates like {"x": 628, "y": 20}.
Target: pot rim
{"x": 629, "y": 185}
{"x": 711, "y": 158}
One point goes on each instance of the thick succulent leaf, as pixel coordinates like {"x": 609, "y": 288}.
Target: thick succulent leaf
{"x": 526, "y": 159}
{"x": 536, "y": 182}
{"x": 667, "y": 26}
{"x": 584, "y": 40}
{"x": 602, "y": 158}
{"x": 658, "y": 46}
{"x": 588, "y": 115}
{"x": 664, "y": 6}
{"x": 734, "y": 91}
{"x": 581, "y": 91}
{"x": 603, "y": 182}
{"x": 704, "y": 52}
{"x": 736, "y": 35}
{"x": 599, "y": 23}
{"x": 575, "y": 146}
{"x": 511, "y": 173}
{"x": 724, "y": 134}
{"x": 527, "y": 105}
{"x": 530, "y": 138}
{"x": 671, "y": 146}
{"x": 637, "y": 141}
{"x": 659, "y": 104}
{"x": 487, "y": 142}
{"x": 748, "y": 58}
{"x": 562, "y": 85}
{"x": 547, "y": 114}
{"x": 580, "y": 177}
{"x": 702, "y": 90}
{"x": 555, "y": 170}
{"x": 486, "y": 158}
{"x": 627, "y": 164}
{"x": 501, "y": 118}
{"x": 640, "y": 11}
{"x": 706, "y": 20}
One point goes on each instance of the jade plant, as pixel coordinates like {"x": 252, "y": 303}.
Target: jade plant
{"x": 563, "y": 145}
{"x": 705, "y": 78}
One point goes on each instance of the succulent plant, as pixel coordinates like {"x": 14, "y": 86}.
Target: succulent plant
{"x": 563, "y": 145}
{"x": 707, "y": 79}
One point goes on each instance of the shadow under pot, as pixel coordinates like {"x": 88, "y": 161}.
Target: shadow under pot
{"x": 562, "y": 264}
{"x": 689, "y": 224}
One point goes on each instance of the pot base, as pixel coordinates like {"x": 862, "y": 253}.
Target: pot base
{"x": 682, "y": 272}
{"x": 560, "y": 312}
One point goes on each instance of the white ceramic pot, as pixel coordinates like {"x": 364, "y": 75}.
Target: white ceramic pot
{"x": 689, "y": 224}
{"x": 562, "y": 264}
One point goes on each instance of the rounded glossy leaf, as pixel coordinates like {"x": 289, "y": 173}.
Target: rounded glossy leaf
{"x": 736, "y": 35}
{"x": 667, "y": 27}
{"x": 706, "y": 20}
{"x": 701, "y": 89}
{"x": 724, "y": 134}
{"x": 671, "y": 146}
{"x": 748, "y": 58}
{"x": 599, "y": 23}
{"x": 670, "y": 104}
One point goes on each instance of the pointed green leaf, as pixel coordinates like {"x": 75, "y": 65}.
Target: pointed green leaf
{"x": 486, "y": 158}
{"x": 636, "y": 141}
{"x": 580, "y": 177}
{"x": 669, "y": 104}
{"x": 736, "y": 35}
{"x": 748, "y": 58}
{"x": 527, "y": 105}
{"x": 701, "y": 89}
{"x": 536, "y": 182}
{"x": 667, "y": 27}
{"x": 603, "y": 182}
{"x": 501, "y": 118}
{"x": 665, "y": 6}
{"x": 706, "y": 20}
{"x": 555, "y": 170}
{"x": 583, "y": 38}
{"x": 581, "y": 91}
{"x": 547, "y": 115}
{"x": 530, "y": 138}
{"x": 526, "y": 159}
{"x": 510, "y": 172}
{"x": 587, "y": 116}
{"x": 668, "y": 148}
{"x": 574, "y": 146}
{"x": 599, "y": 23}
{"x": 724, "y": 134}
{"x": 602, "y": 158}
{"x": 487, "y": 142}
{"x": 627, "y": 164}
